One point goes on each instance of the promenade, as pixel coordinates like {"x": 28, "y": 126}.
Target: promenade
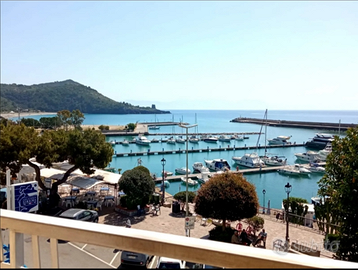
{"x": 167, "y": 222}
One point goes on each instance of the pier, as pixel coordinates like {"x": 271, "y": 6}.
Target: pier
{"x": 295, "y": 124}
{"x": 208, "y": 149}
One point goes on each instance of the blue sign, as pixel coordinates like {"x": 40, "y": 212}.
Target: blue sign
{"x": 25, "y": 197}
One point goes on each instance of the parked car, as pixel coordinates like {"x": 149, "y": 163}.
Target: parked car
{"x": 169, "y": 263}
{"x": 129, "y": 258}
{"x": 80, "y": 214}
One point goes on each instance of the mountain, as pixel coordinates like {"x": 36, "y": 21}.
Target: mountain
{"x": 65, "y": 95}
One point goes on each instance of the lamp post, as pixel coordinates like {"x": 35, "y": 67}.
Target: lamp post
{"x": 288, "y": 189}
{"x": 163, "y": 178}
{"x": 264, "y": 192}
{"x": 186, "y": 199}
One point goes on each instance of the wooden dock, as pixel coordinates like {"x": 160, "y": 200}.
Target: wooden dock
{"x": 208, "y": 149}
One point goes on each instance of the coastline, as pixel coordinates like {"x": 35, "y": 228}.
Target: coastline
{"x": 11, "y": 115}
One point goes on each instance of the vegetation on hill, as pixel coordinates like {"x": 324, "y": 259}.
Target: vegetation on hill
{"x": 65, "y": 95}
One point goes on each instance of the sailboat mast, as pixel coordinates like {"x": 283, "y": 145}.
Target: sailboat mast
{"x": 258, "y": 139}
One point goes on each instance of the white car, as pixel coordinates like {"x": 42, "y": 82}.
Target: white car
{"x": 169, "y": 263}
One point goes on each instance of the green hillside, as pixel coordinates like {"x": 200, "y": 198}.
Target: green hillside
{"x": 65, "y": 95}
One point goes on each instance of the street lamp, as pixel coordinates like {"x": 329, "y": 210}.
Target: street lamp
{"x": 186, "y": 200}
{"x": 264, "y": 192}
{"x": 288, "y": 189}
{"x": 163, "y": 178}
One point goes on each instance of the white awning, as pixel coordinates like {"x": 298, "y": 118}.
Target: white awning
{"x": 107, "y": 177}
{"x": 55, "y": 174}
{"x": 83, "y": 181}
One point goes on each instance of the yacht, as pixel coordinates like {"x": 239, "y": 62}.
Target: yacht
{"x": 200, "y": 167}
{"x": 191, "y": 182}
{"x": 179, "y": 139}
{"x": 153, "y": 127}
{"x": 296, "y": 169}
{"x": 316, "y": 168}
{"x": 154, "y": 140}
{"x": 218, "y": 164}
{"x": 171, "y": 140}
{"x": 320, "y": 141}
{"x": 167, "y": 173}
{"x": 309, "y": 156}
{"x": 279, "y": 140}
{"x": 224, "y": 138}
{"x": 211, "y": 139}
{"x": 182, "y": 170}
{"x": 205, "y": 176}
{"x": 249, "y": 160}
{"x": 237, "y": 137}
{"x": 141, "y": 140}
{"x": 193, "y": 139}
{"x": 125, "y": 142}
{"x": 274, "y": 160}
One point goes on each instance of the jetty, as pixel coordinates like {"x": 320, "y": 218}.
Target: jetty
{"x": 208, "y": 149}
{"x": 295, "y": 124}
{"x": 266, "y": 169}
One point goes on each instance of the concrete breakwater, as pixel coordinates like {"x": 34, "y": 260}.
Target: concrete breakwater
{"x": 295, "y": 124}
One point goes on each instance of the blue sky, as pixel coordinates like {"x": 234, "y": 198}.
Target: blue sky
{"x": 189, "y": 55}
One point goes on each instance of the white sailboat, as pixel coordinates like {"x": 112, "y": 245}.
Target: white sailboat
{"x": 155, "y": 126}
{"x": 194, "y": 138}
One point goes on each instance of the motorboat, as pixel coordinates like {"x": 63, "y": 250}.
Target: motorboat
{"x": 274, "y": 160}
{"x": 179, "y": 139}
{"x": 224, "y": 138}
{"x": 167, "y": 173}
{"x": 251, "y": 160}
{"x": 218, "y": 164}
{"x": 164, "y": 140}
{"x": 279, "y": 140}
{"x": 295, "y": 170}
{"x": 113, "y": 142}
{"x": 154, "y": 140}
{"x": 125, "y": 142}
{"x": 316, "y": 168}
{"x": 193, "y": 139}
{"x": 171, "y": 140}
{"x": 237, "y": 137}
{"x": 182, "y": 170}
{"x": 154, "y": 127}
{"x": 211, "y": 139}
{"x": 191, "y": 182}
{"x": 142, "y": 140}
{"x": 309, "y": 156}
{"x": 204, "y": 177}
{"x": 200, "y": 167}
{"x": 320, "y": 141}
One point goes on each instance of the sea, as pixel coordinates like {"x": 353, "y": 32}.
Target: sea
{"x": 269, "y": 186}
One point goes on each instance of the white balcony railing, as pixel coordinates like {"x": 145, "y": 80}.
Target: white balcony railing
{"x": 161, "y": 244}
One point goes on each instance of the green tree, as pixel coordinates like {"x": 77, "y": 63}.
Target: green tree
{"x": 227, "y": 196}
{"x": 77, "y": 118}
{"x": 256, "y": 223}
{"x": 296, "y": 207}
{"x": 340, "y": 185}
{"x": 65, "y": 118}
{"x": 31, "y": 122}
{"x": 181, "y": 196}
{"x": 138, "y": 185}
{"x": 131, "y": 126}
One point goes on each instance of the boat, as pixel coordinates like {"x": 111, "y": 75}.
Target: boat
{"x": 191, "y": 182}
{"x": 164, "y": 140}
{"x": 153, "y": 127}
{"x": 179, "y": 139}
{"x": 224, "y": 138}
{"x": 295, "y": 170}
{"x": 167, "y": 173}
{"x": 142, "y": 140}
{"x": 204, "y": 177}
{"x": 113, "y": 142}
{"x": 182, "y": 170}
{"x": 320, "y": 141}
{"x": 251, "y": 160}
{"x": 171, "y": 140}
{"x": 279, "y": 140}
{"x": 218, "y": 164}
{"x": 193, "y": 139}
{"x": 211, "y": 139}
{"x": 125, "y": 142}
{"x": 237, "y": 137}
{"x": 200, "y": 167}
{"x": 154, "y": 140}
{"x": 274, "y": 160}
{"x": 316, "y": 168}
{"x": 309, "y": 156}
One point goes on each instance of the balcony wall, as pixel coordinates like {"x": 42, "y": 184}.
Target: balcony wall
{"x": 161, "y": 244}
